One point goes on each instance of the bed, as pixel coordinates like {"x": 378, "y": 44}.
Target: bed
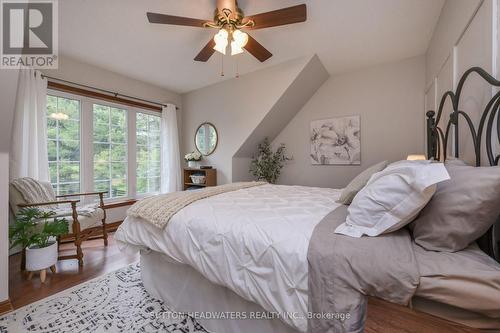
{"x": 244, "y": 253}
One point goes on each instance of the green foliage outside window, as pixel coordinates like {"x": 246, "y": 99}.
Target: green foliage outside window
{"x": 110, "y": 150}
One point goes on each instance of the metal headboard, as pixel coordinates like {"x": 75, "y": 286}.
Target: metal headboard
{"x": 437, "y": 140}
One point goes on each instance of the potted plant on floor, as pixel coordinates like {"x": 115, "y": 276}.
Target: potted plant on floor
{"x": 36, "y": 231}
{"x": 267, "y": 164}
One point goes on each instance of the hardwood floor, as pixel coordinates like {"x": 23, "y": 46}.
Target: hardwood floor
{"x": 383, "y": 317}
{"x": 97, "y": 258}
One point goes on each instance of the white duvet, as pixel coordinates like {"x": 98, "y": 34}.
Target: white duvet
{"x": 253, "y": 241}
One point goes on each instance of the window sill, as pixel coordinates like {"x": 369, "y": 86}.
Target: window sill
{"x": 122, "y": 203}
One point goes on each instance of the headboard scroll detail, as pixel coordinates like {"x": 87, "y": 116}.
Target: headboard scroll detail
{"x": 438, "y": 139}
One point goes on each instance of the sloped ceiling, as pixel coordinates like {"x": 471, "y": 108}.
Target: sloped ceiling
{"x": 300, "y": 90}
{"x": 345, "y": 34}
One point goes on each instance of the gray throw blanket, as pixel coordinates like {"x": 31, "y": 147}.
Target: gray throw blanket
{"x": 344, "y": 270}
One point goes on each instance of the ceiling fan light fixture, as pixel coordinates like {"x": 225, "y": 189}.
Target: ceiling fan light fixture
{"x": 235, "y": 48}
{"x": 221, "y": 41}
{"x": 239, "y": 38}
{"x": 59, "y": 116}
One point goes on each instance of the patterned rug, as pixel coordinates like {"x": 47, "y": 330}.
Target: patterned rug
{"x": 116, "y": 302}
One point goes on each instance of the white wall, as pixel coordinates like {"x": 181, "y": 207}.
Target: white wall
{"x": 455, "y": 16}
{"x": 4, "y": 223}
{"x": 389, "y": 98}
{"x": 8, "y": 82}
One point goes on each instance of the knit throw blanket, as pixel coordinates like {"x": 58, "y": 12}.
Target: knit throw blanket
{"x": 34, "y": 191}
{"x": 159, "y": 209}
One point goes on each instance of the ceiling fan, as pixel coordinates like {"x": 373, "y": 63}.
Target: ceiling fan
{"x": 230, "y": 21}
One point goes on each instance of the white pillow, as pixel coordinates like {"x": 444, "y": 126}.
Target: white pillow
{"x": 392, "y": 198}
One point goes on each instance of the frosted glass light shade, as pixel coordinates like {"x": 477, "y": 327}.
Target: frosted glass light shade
{"x": 221, "y": 41}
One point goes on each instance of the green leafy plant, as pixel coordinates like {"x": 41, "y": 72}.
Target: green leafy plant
{"x": 35, "y": 228}
{"x": 267, "y": 164}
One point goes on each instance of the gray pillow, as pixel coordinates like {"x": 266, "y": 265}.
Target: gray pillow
{"x": 350, "y": 191}
{"x": 462, "y": 209}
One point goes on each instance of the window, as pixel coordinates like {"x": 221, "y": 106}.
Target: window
{"x": 148, "y": 153}
{"x": 63, "y": 129}
{"x": 101, "y": 146}
{"x": 110, "y": 150}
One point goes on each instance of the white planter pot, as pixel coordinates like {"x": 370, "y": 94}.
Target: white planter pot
{"x": 193, "y": 164}
{"x": 41, "y": 258}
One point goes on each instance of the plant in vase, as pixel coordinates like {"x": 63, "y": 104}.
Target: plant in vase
{"x": 36, "y": 232}
{"x": 192, "y": 159}
{"x": 267, "y": 164}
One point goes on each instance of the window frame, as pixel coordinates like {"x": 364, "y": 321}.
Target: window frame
{"x": 150, "y": 113}
{"x": 61, "y": 94}
{"x": 87, "y": 144}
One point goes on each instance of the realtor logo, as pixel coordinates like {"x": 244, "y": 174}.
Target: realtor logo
{"x": 29, "y": 33}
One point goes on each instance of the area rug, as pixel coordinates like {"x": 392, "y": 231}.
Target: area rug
{"x": 116, "y": 302}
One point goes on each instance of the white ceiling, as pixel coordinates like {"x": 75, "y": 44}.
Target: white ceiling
{"x": 345, "y": 34}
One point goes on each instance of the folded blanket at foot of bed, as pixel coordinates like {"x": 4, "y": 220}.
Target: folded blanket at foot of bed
{"x": 344, "y": 270}
{"x": 159, "y": 209}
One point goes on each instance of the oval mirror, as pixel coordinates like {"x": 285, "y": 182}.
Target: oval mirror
{"x": 206, "y": 139}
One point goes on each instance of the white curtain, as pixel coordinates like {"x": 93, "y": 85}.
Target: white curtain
{"x": 29, "y": 136}
{"x": 171, "y": 179}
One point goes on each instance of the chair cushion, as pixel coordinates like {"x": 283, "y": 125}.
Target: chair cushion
{"x": 87, "y": 217}
{"x": 87, "y": 222}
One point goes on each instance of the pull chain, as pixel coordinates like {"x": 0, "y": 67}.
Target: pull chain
{"x": 237, "y": 69}
{"x": 222, "y": 65}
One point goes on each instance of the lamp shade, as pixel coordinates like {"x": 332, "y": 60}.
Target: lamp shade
{"x": 59, "y": 116}
{"x": 221, "y": 41}
{"x": 416, "y": 157}
{"x": 240, "y": 38}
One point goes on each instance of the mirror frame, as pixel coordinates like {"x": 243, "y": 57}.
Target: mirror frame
{"x": 216, "y": 133}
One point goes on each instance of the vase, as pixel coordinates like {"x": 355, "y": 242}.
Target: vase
{"x": 41, "y": 258}
{"x": 193, "y": 164}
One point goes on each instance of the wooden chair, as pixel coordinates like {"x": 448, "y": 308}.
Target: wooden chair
{"x": 81, "y": 227}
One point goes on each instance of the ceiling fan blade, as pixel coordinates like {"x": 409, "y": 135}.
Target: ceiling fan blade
{"x": 206, "y": 52}
{"x": 175, "y": 20}
{"x": 257, "y": 50}
{"x": 278, "y": 17}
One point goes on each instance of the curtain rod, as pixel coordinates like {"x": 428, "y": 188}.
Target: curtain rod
{"x": 106, "y": 91}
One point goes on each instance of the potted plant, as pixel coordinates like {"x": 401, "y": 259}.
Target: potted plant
{"x": 36, "y": 231}
{"x": 192, "y": 158}
{"x": 267, "y": 164}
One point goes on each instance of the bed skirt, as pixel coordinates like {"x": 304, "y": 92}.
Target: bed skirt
{"x": 185, "y": 290}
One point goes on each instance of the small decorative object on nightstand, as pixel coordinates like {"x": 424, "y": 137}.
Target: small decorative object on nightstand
{"x": 195, "y": 178}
